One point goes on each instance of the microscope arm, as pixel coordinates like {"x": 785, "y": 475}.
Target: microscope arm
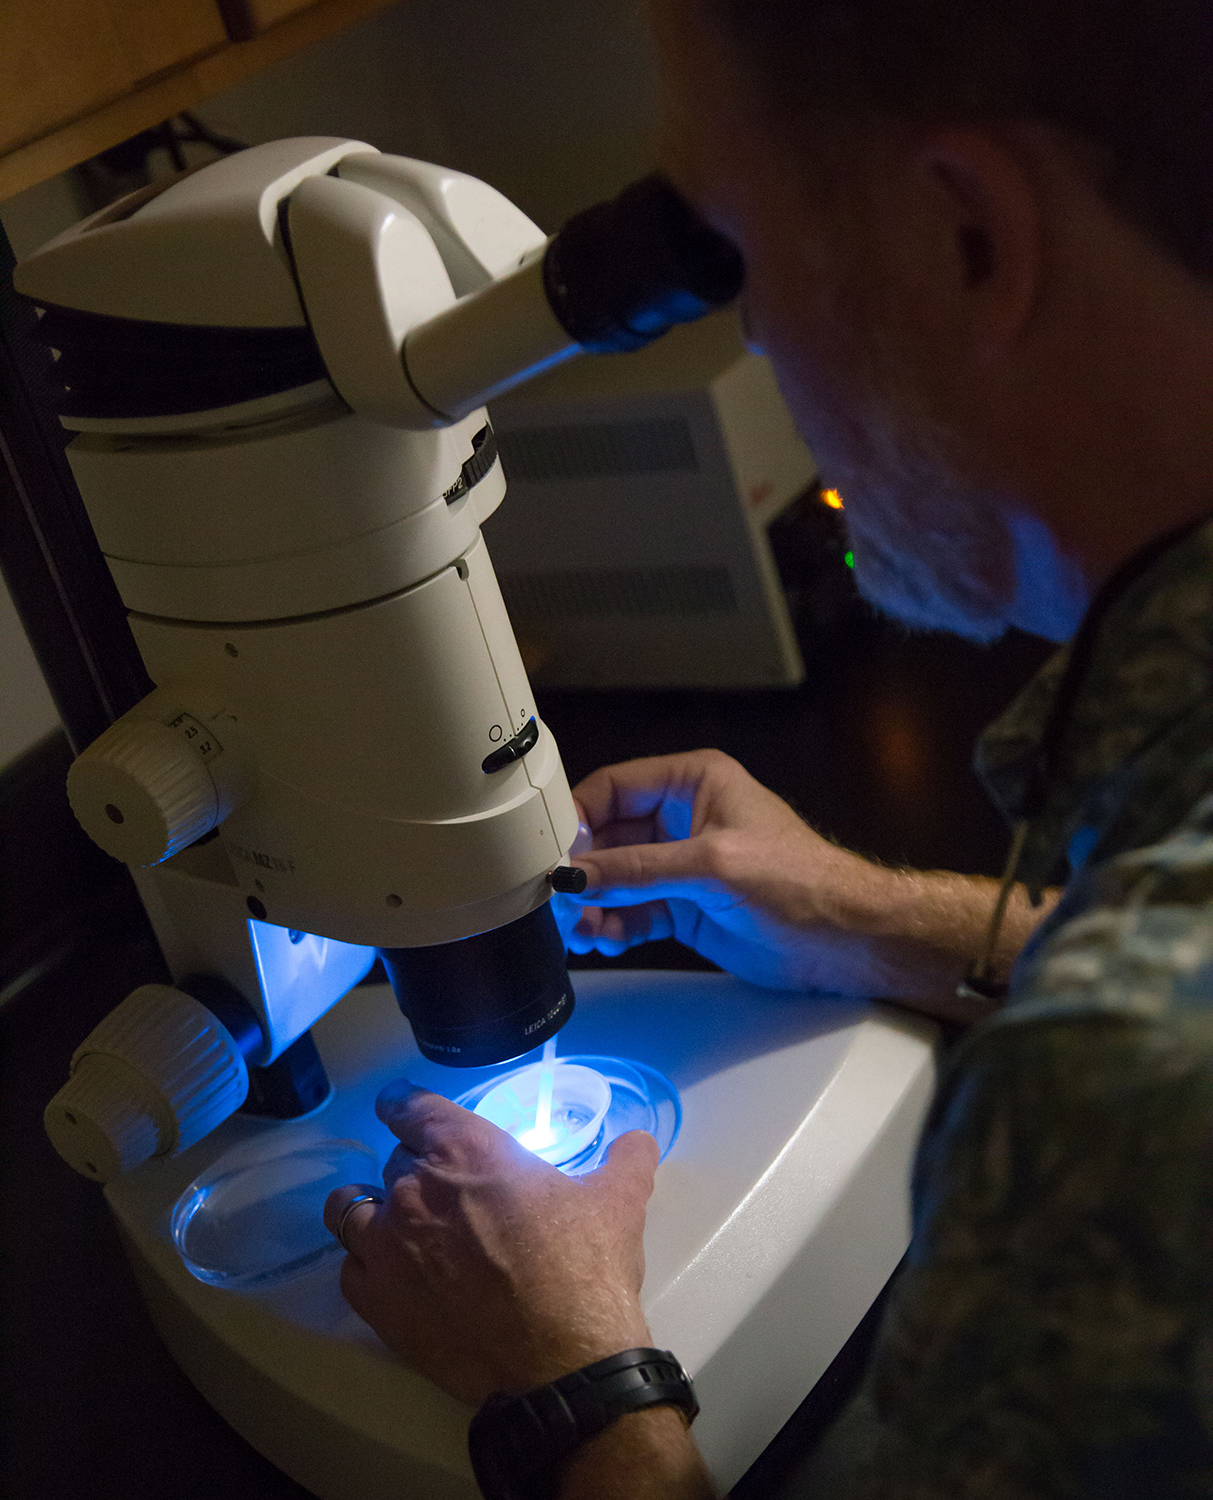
{"x": 403, "y": 350}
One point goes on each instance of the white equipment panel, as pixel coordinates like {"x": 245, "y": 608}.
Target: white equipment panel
{"x": 633, "y": 551}
{"x": 777, "y": 1218}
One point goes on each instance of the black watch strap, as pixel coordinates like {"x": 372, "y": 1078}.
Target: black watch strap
{"x": 517, "y": 1443}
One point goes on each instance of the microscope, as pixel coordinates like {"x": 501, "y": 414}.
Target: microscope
{"x": 276, "y": 370}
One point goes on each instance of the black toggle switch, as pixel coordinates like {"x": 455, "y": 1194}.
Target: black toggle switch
{"x": 484, "y": 456}
{"x": 567, "y": 880}
{"x": 526, "y": 739}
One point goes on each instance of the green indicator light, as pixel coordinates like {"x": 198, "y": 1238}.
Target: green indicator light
{"x": 849, "y": 559}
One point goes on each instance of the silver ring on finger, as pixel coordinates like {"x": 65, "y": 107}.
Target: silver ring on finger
{"x": 349, "y": 1208}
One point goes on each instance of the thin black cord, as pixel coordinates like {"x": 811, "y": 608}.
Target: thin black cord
{"x": 172, "y": 145}
{"x": 226, "y": 145}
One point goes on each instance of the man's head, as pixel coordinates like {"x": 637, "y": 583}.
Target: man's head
{"x": 977, "y": 234}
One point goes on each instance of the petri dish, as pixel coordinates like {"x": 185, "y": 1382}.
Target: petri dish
{"x": 586, "y": 1113}
{"x": 579, "y": 1101}
{"x": 246, "y": 1223}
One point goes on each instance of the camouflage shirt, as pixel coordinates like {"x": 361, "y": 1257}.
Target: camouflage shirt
{"x": 1052, "y": 1335}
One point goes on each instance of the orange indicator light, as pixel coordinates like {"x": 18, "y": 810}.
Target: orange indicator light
{"x": 833, "y": 499}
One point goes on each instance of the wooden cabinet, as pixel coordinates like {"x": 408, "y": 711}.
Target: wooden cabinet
{"x": 246, "y": 19}
{"x": 60, "y": 59}
{"x": 78, "y": 76}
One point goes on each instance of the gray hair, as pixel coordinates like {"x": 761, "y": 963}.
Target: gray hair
{"x": 1130, "y": 79}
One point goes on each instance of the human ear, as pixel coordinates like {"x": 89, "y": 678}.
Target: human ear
{"x": 993, "y": 214}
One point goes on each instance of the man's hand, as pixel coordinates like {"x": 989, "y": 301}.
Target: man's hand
{"x": 487, "y": 1269}
{"x": 692, "y": 847}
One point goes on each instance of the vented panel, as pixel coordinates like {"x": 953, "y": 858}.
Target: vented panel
{"x": 594, "y": 450}
{"x": 598, "y": 592}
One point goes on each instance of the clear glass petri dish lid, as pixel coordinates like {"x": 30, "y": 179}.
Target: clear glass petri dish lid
{"x": 253, "y": 1219}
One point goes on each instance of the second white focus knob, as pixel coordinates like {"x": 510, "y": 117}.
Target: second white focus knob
{"x": 156, "y": 1075}
{"x": 142, "y": 792}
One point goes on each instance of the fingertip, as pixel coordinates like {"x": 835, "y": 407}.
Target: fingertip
{"x": 579, "y": 935}
{"x": 589, "y": 792}
{"x": 637, "y": 1145}
{"x": 634, "y": 1157}
{"x": 394, "y": 1097}
{"x": 593, "y": 875}
{"x": 567, "y": 911}
{"x": 623, "y": 928}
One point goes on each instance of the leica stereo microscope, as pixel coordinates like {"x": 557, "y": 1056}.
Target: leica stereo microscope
{"x": 276, "y": 369}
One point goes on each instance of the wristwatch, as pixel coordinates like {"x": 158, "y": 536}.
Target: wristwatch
{"x": 517, "y": 1443}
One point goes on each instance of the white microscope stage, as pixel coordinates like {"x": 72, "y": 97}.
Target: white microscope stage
{"x": 777, "y": 1218}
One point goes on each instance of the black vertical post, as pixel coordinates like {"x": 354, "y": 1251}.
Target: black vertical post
{"x": 49, "y": 556}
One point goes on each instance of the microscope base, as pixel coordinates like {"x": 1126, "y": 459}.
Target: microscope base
{"x": 778, "y": 1216}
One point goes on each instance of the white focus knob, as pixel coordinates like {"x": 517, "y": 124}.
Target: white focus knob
{"x": 142, "y": 792}
{"x": 156, "y": 1075}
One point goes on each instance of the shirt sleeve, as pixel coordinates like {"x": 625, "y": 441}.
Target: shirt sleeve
{"x": 1051, "y": 1332}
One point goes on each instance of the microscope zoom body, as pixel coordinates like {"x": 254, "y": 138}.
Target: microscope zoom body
{"x": 346, "y": 741}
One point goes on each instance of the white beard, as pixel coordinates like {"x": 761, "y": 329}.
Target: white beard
{"x": 931, "y": 555}
{"x": 932, "y": 549}
{"x": 929, "y": 549}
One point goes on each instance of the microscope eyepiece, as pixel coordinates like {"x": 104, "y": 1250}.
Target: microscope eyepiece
{"x": 488, "y": 998}
{"x": 622, "y": 273}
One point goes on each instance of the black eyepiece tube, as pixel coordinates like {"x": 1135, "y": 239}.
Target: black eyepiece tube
{"x": 488, "y": 998}
{"x": 622, "y": 273}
